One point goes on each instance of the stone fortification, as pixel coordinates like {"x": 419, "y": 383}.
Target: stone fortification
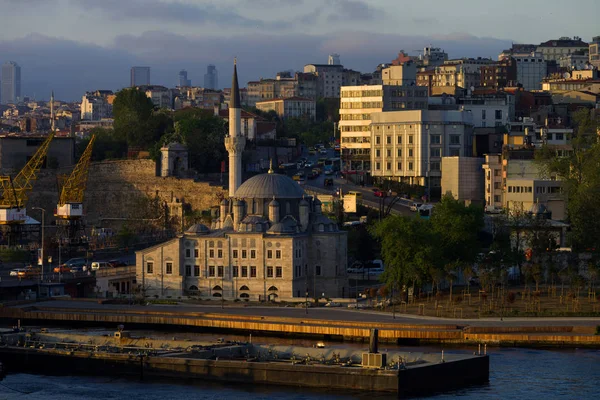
{"x": 118, "y": 189}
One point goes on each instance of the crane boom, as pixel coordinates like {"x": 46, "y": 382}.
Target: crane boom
{"x": 74, "y": 187}
{"x": 15, "y": 191}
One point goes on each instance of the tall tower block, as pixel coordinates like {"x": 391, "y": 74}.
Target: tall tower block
{"x": 235, "y": 142}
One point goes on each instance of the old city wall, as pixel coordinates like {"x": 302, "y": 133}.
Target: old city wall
{"x": 116, "y": 189}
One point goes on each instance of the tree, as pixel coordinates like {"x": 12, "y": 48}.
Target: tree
{"x": 106, "y": 146}
{"x": 132, "y": 110}
{"x": 579, "y": 170}
{"x": 204, "y": 134}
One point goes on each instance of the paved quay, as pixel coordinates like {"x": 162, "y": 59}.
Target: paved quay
{"x": 329, "y": 323}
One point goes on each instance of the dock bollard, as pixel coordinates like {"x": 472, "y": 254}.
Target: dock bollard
{"x": 479, "y": 348}
{"x": 485, "y": 349}
{"x": 443, "y": 356}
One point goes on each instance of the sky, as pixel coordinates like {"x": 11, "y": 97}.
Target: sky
{"x": 72, "y": 46}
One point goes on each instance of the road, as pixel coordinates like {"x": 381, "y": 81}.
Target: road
{"x": 368, "y": 196}
{"x": 335, "y": 314}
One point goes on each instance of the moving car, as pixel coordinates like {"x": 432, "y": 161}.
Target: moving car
{"x": 61, "y": 269}
{"x": 74, "y": 265}
{"x": 415, "y": 206}
{"x": 29, "y": 273}
{"x": 323, "y": 151}
{"x": 15, "y": 272}
{"x": 379, "y": 193}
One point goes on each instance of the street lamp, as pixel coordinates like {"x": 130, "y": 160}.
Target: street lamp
{"x": 306, "y": 302}
{"x": 43, "y": 222}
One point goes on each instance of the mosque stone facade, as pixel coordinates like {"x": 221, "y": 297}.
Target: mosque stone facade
{"x": 267, "y": 241}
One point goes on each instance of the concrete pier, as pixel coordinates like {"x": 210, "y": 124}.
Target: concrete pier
{"x": 340, "y": 369}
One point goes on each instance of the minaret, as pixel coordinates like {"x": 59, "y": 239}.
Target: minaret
{"x": 52, "y": 112}
{"x": 235, "y": 142}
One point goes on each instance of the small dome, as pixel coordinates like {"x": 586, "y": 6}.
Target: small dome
{"x": 287, "y": 226}
{"x": 268, "y": 186}
{"x": 197, "y": 229}
{"x": 274, "y": 203}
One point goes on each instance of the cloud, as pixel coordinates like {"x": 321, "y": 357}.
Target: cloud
{"x": 174, "y": 12}
{"x": 352, "y": 10}
{"x": 71, "y": 68}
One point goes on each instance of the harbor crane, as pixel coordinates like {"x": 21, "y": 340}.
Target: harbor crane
{"x": 15, "y": 190}
{"x": 69, "y": 210}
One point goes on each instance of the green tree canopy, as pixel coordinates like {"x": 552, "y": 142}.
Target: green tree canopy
{"x": 132, "y": 110}
{"x": 579, "y": 170}
{"x": 107, "y": 145}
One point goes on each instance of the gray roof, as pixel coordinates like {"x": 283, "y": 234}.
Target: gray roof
{"x": 198, "y": 229}
{"x": 269, "y": 186}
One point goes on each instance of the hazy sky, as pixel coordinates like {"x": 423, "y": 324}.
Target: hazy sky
{"x": 77, "y": 45}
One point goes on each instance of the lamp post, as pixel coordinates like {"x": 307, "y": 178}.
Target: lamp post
{"x": 43, "y": 222}
{"x": 306, "y": 302}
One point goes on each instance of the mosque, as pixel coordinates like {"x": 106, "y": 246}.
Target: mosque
{"x": 268, "y": 241}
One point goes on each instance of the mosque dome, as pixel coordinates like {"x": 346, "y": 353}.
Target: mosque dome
{"x": 268, "y": 186}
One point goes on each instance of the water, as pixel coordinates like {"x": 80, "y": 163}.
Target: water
{"x": 515, "y": 374}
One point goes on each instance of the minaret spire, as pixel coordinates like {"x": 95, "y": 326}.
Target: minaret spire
{"x": 235, "y": 142}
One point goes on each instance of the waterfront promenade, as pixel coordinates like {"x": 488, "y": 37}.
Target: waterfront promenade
{"x": 329, "y": 323}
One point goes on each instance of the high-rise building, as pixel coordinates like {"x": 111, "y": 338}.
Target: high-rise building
{"x": 211, "y": 78}
{"x": 334, "y": 59}
{"x": 183, "y": 79}
{"x": 594, "y": 52}
{"x": 140, "y": 76}
{"x": 11, "y": 83}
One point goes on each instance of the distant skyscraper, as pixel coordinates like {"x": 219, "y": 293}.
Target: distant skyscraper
{"x": 183, "y": 79}
{"x": 211, "y": 78}
{"x": 334, "y": 59}
{"x": 140, "y": 76}
{"x": 11, "y": 83}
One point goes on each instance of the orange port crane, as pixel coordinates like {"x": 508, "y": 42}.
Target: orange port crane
{"x": 15, "y": 190}
{"x": 70, "y": 203}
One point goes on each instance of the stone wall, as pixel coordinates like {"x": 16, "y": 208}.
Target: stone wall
{"x": 117, "y": 189}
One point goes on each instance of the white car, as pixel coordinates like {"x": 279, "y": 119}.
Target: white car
{"x": 15, "y": 272}
{"x": 323, "y": 151}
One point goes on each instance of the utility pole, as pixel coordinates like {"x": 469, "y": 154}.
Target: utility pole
{"x": 42, "y": 244}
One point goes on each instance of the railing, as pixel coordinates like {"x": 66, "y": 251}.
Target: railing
{"x": 107, "y": 272}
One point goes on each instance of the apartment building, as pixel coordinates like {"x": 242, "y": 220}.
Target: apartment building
{"x": 292, "y": 107}
{"x": 96, "y": 105}
{"x": 331, "y": 77}
{"x": 553, "y": 50}
{"x": 356, "y": 106}
{"x": 303, "y": 85}
{"x": 492, "y": 170}
{"x": 531, "y": 68}
{"x": 463, "y": 178}
{"x": 522, "y": 194}
{"x": 594, "y": 52}
{"x": 408, "y": 146}
{"x": 500, "y": 74}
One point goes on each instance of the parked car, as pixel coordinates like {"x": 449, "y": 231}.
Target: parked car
{"x": 96, "y": 265}
{"x": 29, "y": 272}
{"x": 15, "y": 272}
{"x": 323, "y": 151}
{"x": 61, "y": 269}
{"x": 309, "y": 164}
{"x": 75, "y": 264}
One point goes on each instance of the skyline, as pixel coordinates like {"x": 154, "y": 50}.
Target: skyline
{"x": 92, "y": 45}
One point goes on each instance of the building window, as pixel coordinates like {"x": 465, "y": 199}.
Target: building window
{"x": 498, "y": 114}
{"x": 211, "y": 271}
{"x": 434, "y": 166}
{"x": 378, "y": 166}
{"x": 235, "y": 271}
{"x": 496, "y": 172}
{"x": 196, "y": 253}
{"x": 188, "y": 270}
{"x": 410, "y": 166}
{"x": 169, "y": 268}
{"x": 220, "y": 253}
{"x": 436, "y": 152}
{"x": 188, "y": 253}
{"x": 377, "y": 139}
{"x": 483, "y": 114}
{"x": 454, "y": 152}
{"x": 399, "y": 152}
{"x": 388, "y": 139}
{"x": 269, "y": 272}
{"x": 410, "y": 139}
{"x": 211, "y": 253}
{"x": 149, "y": 267}
{"x": 220, "y": 271}
{"x": 252, "y": 272}
{"x": 269, "y": 253}
{"x": 496, "y": 198}
{"x": 235, "y": 253}
{"x": 277, "y": 253}
{"x": 244, "y": 254}
{"x": 278, "y": 272}
{"x": 389, "y": 153}
{"x": 196, "y": 270}
{"x": 436, "y": 139}
{"x": 399, "y": 166}
{"x": 244, "y": 272}
{"x": 399, "y": 139}
{"x": 317, "y": 270}
{"x": 454, "y": 139}
{"x": 252, "y": 253}
{"x": 559, "y": 136}
{"x": 410, "y": 152}
{"x": 377, "y": 153}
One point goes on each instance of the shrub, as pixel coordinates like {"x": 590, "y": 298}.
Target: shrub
{"x": 511, "y": 297}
